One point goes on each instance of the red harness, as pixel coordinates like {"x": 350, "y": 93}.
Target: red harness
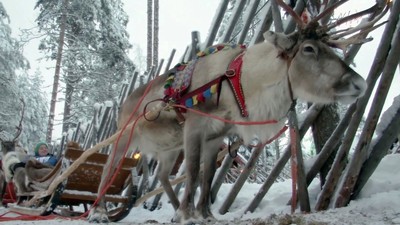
{"x": 232, "y": 75}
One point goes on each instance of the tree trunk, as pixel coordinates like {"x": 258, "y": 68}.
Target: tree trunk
{"x": 155, "y": 33}
{"x": 322, "y": 129}
{"x": 57, "y": 72}
{"x": 149, "y": 34}
{"x": 69, "y": 90}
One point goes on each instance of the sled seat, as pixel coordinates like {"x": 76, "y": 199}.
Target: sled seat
{"x": 81, "y": 185}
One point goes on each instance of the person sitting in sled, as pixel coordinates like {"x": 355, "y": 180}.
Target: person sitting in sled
{"x": 42, "y": 154}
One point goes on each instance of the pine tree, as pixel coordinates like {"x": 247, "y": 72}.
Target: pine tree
{"x": 11, "y": 60}
{"x": 95, "y": 61}
{"x": 36, "y": 109}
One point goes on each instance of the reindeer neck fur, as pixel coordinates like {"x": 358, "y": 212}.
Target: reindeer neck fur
{"x": 266, "y": 89}
{"x": 9, "y": 159}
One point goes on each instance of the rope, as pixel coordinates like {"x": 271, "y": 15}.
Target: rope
{"x": 105, "y": 188}
{"x": 263, "y": 122}
{"x": 11, "y": 192}
{"x": 26, "y": 217}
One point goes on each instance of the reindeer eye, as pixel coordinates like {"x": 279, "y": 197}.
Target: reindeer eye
{"x": 309, "y": 49}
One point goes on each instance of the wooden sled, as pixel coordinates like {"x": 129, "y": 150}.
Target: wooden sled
{"x": 75, "y": 194}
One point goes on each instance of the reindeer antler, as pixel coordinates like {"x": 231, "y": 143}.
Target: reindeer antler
{"x": 19, "y": 127}
{"x": 363, "y": 29}
{"x": 331, "y": 38}
{"x": 289, "y": 10}
{"x": 328, "y": 10}
{"x": 369, "y": 25}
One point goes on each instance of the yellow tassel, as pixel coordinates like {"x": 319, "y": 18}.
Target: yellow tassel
{"x": 214, "y": 88}
{"x": 195, "y": 100}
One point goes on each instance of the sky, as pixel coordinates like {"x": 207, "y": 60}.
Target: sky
{"x": 178, "y": 18}
{"x": 378, "y": 204}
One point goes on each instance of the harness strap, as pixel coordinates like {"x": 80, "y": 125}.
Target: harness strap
{"x": 200, "y": 90}
{"x": 233, "y": 74}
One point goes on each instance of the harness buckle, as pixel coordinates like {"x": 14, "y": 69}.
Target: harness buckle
{"x": 230, "y": 73}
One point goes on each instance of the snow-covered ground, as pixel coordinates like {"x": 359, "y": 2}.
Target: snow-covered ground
{"x": 379, "y": 203}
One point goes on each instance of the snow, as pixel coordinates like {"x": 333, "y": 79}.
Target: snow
{"x": 378, "y": 204}
{"x": 109, "y": 104}
{"x": 388, "y": 115}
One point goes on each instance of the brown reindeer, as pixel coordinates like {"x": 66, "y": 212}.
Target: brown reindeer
{"x": 18, "y": 166}
{"x": 273, "y": 74}
{"x": 14, "y": 169}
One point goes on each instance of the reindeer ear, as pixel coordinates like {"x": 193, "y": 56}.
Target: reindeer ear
{"x": 281, "y": 41}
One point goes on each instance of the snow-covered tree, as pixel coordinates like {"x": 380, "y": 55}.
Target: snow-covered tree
{"x": 36, "y": 110}
{"x": 95, "y": 61}
{"x": 11, "y": 60}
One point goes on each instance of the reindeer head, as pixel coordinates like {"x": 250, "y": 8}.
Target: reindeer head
{"x": 7, "y": 145}
{"x": 316, "y": 72}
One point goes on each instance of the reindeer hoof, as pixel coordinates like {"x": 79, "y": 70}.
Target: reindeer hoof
{"x": 206, "y": 214}
{"x": 192, "y": 221}
{"x": 98, "y": 215}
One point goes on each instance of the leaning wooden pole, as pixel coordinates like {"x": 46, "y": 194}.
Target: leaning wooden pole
{"x": 312, "y": 113}
{"x": 361, "y": 150}
{"x": 379, "y": 149}
{"x": 297, "y": 165}
{"x": 216, "y": 23}
{"x": 220, "y": 176}
{"x": 338, "y": 165}
{"x": 241, "y": 179}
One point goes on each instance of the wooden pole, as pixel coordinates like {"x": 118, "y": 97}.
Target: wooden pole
{"x": 242, "y": 178}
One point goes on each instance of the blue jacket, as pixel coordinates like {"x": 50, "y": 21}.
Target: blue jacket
{"x": 48, "y": 159}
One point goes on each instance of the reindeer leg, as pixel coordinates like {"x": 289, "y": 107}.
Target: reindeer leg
{"x": 210, "y": 152}
{"x": 167, "y": 162}
{"x": 98, "y": 213}
{"x": 192, "y": 146}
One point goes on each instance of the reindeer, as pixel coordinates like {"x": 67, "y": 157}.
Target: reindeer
{"x": 273, "y": 74}
{"x": 18, "y": 166}
{"x": 13, "y": 167}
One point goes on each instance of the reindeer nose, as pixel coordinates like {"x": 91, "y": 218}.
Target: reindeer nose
{"x": 351, "y": 85}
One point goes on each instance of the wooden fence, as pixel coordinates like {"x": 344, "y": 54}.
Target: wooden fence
{"x": 247, "y": 21}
